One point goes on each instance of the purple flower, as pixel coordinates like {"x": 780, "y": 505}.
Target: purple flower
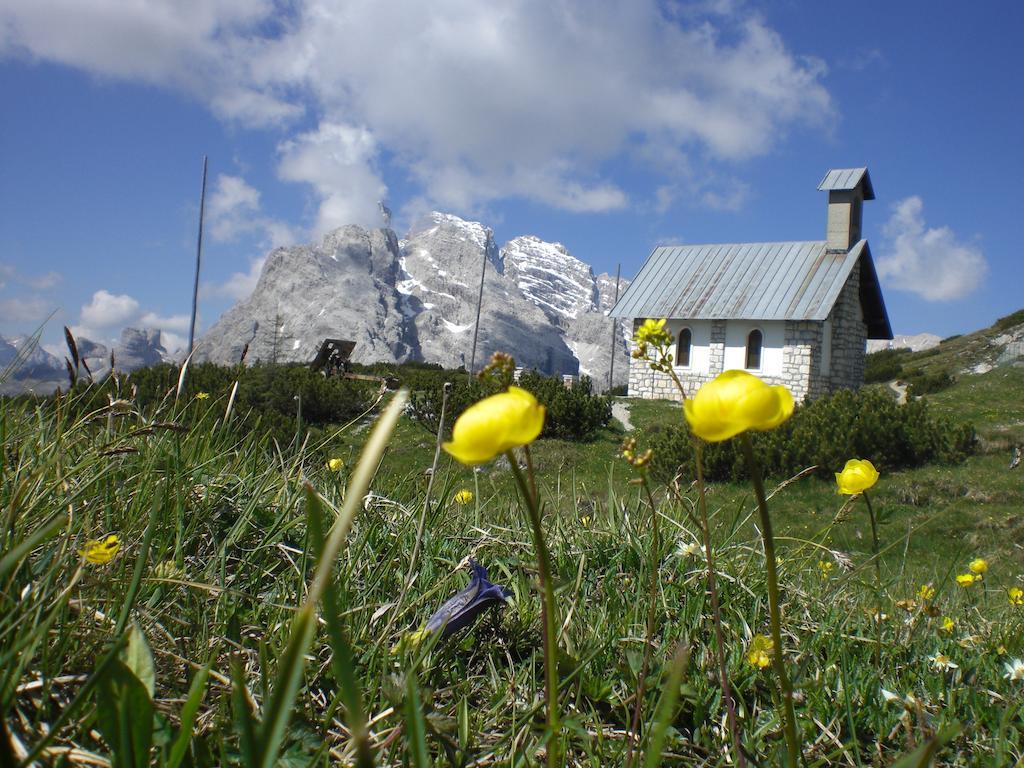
{"x": 462, "y": 609}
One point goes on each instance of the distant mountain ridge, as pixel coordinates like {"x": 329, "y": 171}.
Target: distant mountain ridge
{"x": 416, "y": 298}
{"x": 42, "y": 372}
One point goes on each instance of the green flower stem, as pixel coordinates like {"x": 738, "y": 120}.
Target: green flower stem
{"x": 778, "y": 663}
{"x": 528, "y": 490}
{"x": 716, "y": 611}
{"x": 874, "y": 539}
{"x": 877, "y": 618}
{"x": 652, "y": 602}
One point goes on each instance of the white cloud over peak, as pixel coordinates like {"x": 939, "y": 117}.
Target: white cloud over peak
{"x": 106, "y": 310}
{"x": 107, "y": 314}
{"x": 234, "y": 210}
{"x": 931, "y": 262}
{"x": 472, "y": 101}
{"x": 338, "y": 161}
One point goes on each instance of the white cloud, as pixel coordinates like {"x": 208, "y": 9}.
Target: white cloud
{"x": 32, "y": 310}
{"x": 173, "y": 343}
{"x": 106, "y": 310}
{"x": 241, "y": 284}
{"x": 337, "y": 159}
{"x": 931, "y": 262}
{"x": 6, "y": 273}
{"x": 43, "y": 282}
{"x": 170, "y": 323}
{"x": 234, "y": 210}
{"x": 473, "y": 101}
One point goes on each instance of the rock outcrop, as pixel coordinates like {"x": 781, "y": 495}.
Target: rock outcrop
{"x": 416, "y": 299}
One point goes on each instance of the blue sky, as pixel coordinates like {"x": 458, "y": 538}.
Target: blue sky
{"x": 608, "y": 126}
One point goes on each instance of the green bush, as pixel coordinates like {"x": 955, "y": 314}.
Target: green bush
{"x": 825, "y": 433}
{"x": 884, "y": 365}
{"x": 572, "y": 414}
{"x": 922, "y": 383}
{"x": 1009, "y": 321}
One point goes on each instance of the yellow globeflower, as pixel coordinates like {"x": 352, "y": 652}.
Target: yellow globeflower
{"x": 1015, "y": 595}
{"x": 202, "y": 395}
{"x": 464, "y": 496}
{"x": 101, "y": 551}
{"x": 759, "y": 652}
{"x": 733, "y": 402}
{"x": 857, "y": 476}
{"x": 966, "y": 579}
{"x": 978, "y": 565}
{"x": 947, "y": 625}
{"x": 496, "y": 424}
{"x": 335, "y": 465}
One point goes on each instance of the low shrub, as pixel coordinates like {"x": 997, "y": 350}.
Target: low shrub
{"x": 922, "y": 383}
{"x": 884, "y": 365}
{"x": 825, "y": 433}
{"x": 572, "y": 414}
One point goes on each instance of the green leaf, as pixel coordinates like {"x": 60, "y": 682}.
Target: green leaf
{"x": 925, "y": 753}
{"x": 188, "y": 718}
{"x": 137, "y": 657}
{"x": 667, "y": 705}
{"x": 245, "y": 725}
{"x": 124, "y": 714}
{"x": 415, "y": 724}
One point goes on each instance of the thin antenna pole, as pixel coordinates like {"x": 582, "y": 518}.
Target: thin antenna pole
{"x": 611, "y": 368}
{"x": 199, "y": 258}
{"x": 476, "y": 325}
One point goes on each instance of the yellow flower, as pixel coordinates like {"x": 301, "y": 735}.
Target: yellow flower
{"x": 947, "y": 625}
{"x": 464, "y": 496}
{"x": 978, "y": 565}
{"x": 759, "y": 652}
{"x": 101, "y": 552}
{"x": 496, "y": 424}
{"x": 966, "y": 579}
{"x": 733, "y": 402}
{"x": 1015, "y": 595}
{"x": 858, "y": 475}
{"x": 335, "y": 465}
{"x": 652, "y": 332}
{"x": 202, "y": 395}
{"x": 585, "y": 520}
{"x": 824, "y": 568}
{"x": 926, "y": 592}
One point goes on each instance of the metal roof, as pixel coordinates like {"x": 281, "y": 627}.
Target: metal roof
{"x": 752, "y": 281}
{"x": 847, "y": 179}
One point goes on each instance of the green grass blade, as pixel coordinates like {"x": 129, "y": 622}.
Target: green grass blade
{"x": 666, "y": 707}
{"x": 188, "y": 718}
{"x": 245, "y": 725}
{"x": 415, "y": 724}
{"x": 10, "y": 560}
{"x": 925, "y": 753}
{"x": 290, "y": 668}
{"x": 342, "y": 658}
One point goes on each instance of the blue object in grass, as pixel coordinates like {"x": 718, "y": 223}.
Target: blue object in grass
{"x": 461, "y": 609}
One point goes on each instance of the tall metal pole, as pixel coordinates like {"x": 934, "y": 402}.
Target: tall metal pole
{"x": 199, "y": 257}
{"x": 476, "y": 325}
{"x": 611, "y": 368}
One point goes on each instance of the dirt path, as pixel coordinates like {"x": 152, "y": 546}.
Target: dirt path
{"x": 620, "y": 411}
{"x": 900, "y": 390}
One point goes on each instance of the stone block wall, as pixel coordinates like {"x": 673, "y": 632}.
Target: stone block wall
{"x": 849, "y": 337}
{"x": 802, "y": 355}
{"x": 654, "y": 385}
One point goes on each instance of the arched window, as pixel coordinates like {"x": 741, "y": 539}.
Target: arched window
{"x": 755, "y": 339}
{"x": 683, "y": 344}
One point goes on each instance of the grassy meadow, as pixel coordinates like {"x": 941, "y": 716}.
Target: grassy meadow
{"x": 213, "y": 636}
